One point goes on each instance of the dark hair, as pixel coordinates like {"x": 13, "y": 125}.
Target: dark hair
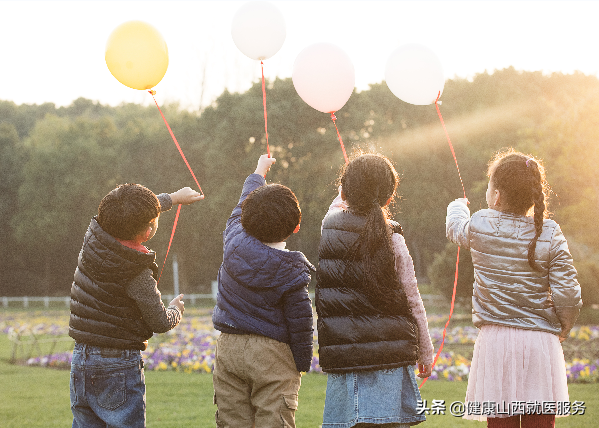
{"x": 521, "y": 181}
{"x": 127, "y": 210}
{"x": 368, "y": 182}
{"x": 271, "y": 213}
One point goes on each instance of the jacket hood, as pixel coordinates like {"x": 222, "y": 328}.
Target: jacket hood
{"x": 259, "y": 266}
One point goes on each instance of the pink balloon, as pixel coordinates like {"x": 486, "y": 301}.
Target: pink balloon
{"x": 324, "y": 77}
{"x": 414, "y": 74}
{"x": 258, "y": 29}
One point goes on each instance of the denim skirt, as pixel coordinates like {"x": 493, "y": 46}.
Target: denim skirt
{"x": 385, "y": 397}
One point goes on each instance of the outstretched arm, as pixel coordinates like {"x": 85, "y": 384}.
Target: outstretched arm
{"x": 457, "y": 223}
{"x": 251, "y": 183}
{"x": 185, "y": 196}
{"x": 337, "y": 204}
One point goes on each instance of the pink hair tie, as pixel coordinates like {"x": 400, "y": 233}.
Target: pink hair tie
{"x": 527, "y": 162}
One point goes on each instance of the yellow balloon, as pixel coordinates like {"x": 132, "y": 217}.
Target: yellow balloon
{"x": 136, "y": 55}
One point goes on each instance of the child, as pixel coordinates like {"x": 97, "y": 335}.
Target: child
{"x": 263, "y": 309}
{"x": 372, "y": 325}
{"x": 526, "y": 297}
{"x": 116, "y": 307}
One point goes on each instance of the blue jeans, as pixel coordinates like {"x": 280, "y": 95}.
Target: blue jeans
{"x": 108, "y": 388}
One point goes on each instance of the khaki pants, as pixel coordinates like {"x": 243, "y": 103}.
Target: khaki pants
{"x": 256, "y": 383}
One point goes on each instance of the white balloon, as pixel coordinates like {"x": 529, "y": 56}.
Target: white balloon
{"x": 414, "y": 74}
{"x": 324, "y": 77}
{"x": 258, "y": 29}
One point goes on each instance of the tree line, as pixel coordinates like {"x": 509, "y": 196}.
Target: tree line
{"x": 58, "y": 162}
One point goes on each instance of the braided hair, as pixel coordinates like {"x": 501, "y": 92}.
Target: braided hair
{"x": 368, "y": 182}
{"x": 521, "y": 182}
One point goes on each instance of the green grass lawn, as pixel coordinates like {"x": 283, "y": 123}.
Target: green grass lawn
{"x": 39, "y": 397}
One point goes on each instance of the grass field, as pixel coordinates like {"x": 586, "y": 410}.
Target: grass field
{"x": 39, "y": 397}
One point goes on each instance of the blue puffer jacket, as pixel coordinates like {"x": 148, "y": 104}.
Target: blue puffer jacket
{"x": 262, "y": 290}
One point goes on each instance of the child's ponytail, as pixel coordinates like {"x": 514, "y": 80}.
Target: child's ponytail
{"x": 368, "y": 183}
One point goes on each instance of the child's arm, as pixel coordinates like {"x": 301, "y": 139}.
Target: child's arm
{"x": 251, "y": 183}
{"x": 404, "y": 268}
{"x": 457, "y": 223}
{"x": 337, "y": 204}
{"x": 184, "y": 196}
{"x": 297, "y": 308}
{"x": 143, "y": 289}
{"x": 565, "y": 289}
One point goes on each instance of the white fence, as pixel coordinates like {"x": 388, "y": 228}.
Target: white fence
{"x": 191, "y": 298}
{"x": 26, "y": 300}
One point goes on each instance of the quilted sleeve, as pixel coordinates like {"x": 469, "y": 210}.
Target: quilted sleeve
{"x": 457, "y": 224}
{"x": 297, "y": 308}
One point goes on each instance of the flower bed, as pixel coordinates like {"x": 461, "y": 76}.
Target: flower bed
{"x": 190, "y": 347}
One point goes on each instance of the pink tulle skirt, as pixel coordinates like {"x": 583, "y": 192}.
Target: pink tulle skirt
{"x": 511, "y": 364}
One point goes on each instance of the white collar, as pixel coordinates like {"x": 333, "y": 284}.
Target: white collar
{"x": 277, "y": 245}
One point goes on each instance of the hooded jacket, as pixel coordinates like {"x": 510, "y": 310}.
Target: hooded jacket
{"x": 507, "y": 291}
{"x": 354, "y": 333}
{"x": 263, "y": 290}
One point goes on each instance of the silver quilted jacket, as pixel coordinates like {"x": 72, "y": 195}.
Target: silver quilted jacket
{"x": 507, "y": 291}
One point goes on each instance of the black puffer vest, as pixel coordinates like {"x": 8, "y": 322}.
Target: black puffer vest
{"x": 101, "y": 312}
{"x": 353, "y": 333}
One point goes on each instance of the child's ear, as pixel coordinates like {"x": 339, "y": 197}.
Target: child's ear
{"x": 297, "y": 228}
{"x": 147, "y": 234}
{"x": 497, "y": 197}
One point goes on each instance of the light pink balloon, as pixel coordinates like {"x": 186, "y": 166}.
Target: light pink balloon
{"x": 324, "y": 77}
{"x": 258, "y": 29}
{"x": 414, "y": 74}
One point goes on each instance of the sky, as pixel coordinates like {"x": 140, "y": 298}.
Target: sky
{"x": 53, "y": 51}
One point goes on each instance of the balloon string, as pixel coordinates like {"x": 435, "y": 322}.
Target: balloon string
{"x": 171, "y": 241}
{"x": 455, "y": 282}
{"x": 449, "y": 141}
{"x": 333, "y": 118}
{"x": 176, "y": 142}
{"x": 264, "y": 103}
{"x": 450, "y": 313}
{"x": 152, "y": 92}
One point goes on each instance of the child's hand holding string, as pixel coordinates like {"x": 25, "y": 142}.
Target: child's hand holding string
{"x": 264, "y": 164}
{"x": 185, "y": 196}
{"x": 424, "y": 370}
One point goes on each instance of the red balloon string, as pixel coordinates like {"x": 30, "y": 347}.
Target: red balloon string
{"x": 455, "y": 282}
{"x": 171, "y": 240}
{"x": 264, "y": 103}
{"x": 449, "y": 141}
{"x": 176, "y": 142}
{"x": 152, "y": 92}
{"x": 333, "y": 118}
